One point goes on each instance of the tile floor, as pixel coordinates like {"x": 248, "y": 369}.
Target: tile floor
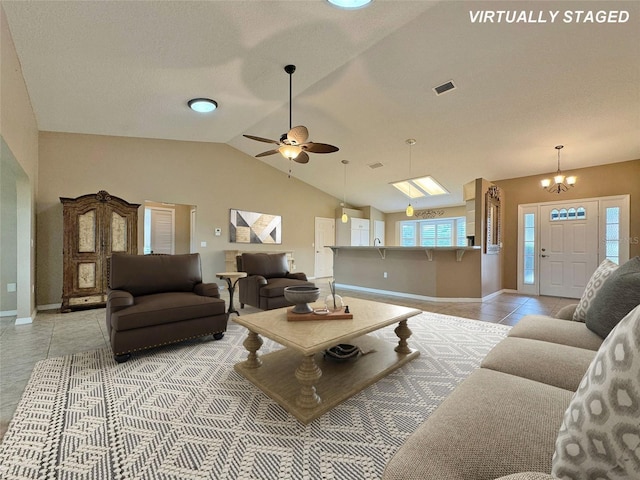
{"x": 54, "y": 334}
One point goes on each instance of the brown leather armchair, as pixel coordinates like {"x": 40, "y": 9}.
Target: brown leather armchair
{"x": 159, "y": 299}
{"x": 267, "y": 276}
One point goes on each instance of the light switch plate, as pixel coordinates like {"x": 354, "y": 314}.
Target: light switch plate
{"x": 203, "y": 244}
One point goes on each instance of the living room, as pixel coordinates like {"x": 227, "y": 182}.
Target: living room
{"x": 598, "y": 124}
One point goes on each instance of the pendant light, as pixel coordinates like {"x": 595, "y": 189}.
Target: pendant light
{"x": 411, "y": 142}
{"x": 559, "y": 179}
{"x": 344, "y": 217}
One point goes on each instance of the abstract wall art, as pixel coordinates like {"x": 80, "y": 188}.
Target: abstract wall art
{"x": 253, "y": 227}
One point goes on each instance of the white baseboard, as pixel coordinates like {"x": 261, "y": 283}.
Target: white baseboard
{"x": 414, "y": 296}
{"x": 24, "y": 320}
{"x": 9, "y": 313}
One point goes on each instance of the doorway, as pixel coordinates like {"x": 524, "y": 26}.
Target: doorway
{"x": 560, "y": 244}
{"x": 325, "y": 234}
{"x": 168, "y": 228}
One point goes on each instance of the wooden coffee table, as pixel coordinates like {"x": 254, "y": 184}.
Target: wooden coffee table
{"x": 299, "y": 378}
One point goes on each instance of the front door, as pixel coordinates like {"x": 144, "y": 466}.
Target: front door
{"x": 325, "y": 235}
{"x": 568, "y": 247}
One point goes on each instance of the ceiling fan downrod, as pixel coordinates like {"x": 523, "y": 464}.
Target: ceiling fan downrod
{"x": 290, "y": 69}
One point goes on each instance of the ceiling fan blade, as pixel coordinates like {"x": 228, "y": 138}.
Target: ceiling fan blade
{"x": 319, "y": 147}
{"x": 302, "y": 157}
{"x": 298, "y": 135}
{"x": 260, "y": 139}
{"x": 268, "y": 152}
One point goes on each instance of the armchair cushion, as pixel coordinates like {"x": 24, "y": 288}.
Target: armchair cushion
{"x": 138, "y": 274}
{"x": 168, "y": 307}
{"x": 269, "y": 265}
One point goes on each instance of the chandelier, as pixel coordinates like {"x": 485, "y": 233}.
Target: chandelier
{"x": 560, "y": 182}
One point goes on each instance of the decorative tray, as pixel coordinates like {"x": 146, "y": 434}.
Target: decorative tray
{"x": 301, "y": 317}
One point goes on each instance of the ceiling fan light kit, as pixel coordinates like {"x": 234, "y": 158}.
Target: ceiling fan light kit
{"x": 202, "y": 105}
{"x": 294, "y": 145}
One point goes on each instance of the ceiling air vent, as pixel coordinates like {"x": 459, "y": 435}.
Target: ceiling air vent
{"x": 373, "y": 166}
{"x": 445, "y": 87}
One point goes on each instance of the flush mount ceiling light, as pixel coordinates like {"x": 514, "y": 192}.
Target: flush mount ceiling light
{"x": 350, "y": 4}
{"x": 202, "y": 105}
{"x": 559, "y": 179}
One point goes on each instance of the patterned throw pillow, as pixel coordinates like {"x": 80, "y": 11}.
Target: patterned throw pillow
{"x": 600, "y": 434}
{"x": 595, "y": 282}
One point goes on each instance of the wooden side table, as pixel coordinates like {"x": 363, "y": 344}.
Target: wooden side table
{"x": 231, "y": 279}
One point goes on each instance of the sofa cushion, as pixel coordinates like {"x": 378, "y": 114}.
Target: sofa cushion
{"x": 146, "y": 274}
{"x": 618, "y": 296}
{"x": 275, "y": 286}
{"x": 551, "y": 363}
{"x": 492, "y": 424}
{"x": 554, "y": 330}
{"x": 269, "y": 265}
{"x": 606, "y": 268}
{"x": 156, "y": 309}
{"x": 600, "y": 433}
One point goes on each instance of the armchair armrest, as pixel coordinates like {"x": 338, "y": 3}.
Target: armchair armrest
{"x": 297, "y": 276}
{"x": 250, "y": 289}
{"x": 207, "y": 290}
{"x": 118, "y": 299}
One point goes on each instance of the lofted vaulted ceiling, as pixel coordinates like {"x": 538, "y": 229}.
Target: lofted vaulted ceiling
{"x": 364, "y": 82}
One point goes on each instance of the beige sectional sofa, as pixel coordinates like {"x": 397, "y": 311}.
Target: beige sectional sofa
{"x": 504, "y": 418}
{"x": 553, "y": 400}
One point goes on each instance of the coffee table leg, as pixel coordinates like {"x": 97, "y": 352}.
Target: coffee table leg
{"x": 403, "y": 333}
{"x": 308, "y": 373}
{"x": 252, "y": 343}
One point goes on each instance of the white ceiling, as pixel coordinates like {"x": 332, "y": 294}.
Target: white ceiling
{"x": 364, "y": 83}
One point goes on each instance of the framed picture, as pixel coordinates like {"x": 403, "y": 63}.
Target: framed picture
{"x": 254, "y": 227}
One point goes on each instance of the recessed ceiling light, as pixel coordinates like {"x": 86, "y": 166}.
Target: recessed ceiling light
{"x": 350, "y": 4}
{"x": 202, "y": 105}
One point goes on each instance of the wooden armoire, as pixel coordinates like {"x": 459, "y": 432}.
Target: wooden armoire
{"x": 95, "y": 225}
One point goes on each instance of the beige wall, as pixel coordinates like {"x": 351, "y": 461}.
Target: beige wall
{"x": 19, "y": 129}
{"x": 214, "y": 177}
{"x": 600, "y": 181}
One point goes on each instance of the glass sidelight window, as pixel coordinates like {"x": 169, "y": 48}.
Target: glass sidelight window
{"x": 612, "y": 234}
{"x": 529, "y": 270}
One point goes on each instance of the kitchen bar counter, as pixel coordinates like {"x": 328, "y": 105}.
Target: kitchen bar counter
{"x": 431, "y": 273}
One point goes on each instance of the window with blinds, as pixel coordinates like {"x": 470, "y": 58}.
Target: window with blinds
{"x": 444, "y": 232}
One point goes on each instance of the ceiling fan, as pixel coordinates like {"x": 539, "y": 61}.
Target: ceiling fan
{"x": 294, "y": 144}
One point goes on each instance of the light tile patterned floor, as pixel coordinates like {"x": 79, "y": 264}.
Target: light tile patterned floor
{"x": 54, "y": 334}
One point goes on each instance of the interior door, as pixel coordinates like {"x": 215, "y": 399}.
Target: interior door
{"x": 162, "y": 231}
{"x": 325, "y": 234}
{"x": 568, "y": 247}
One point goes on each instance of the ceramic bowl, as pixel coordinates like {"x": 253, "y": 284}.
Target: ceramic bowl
{"x": 301, "y": 297}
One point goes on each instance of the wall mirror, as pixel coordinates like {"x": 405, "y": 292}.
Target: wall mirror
{"x": 493, "y": 240}
{"x": 169, "y": 228}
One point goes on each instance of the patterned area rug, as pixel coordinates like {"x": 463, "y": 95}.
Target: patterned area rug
{"x": 182, "y": 412}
